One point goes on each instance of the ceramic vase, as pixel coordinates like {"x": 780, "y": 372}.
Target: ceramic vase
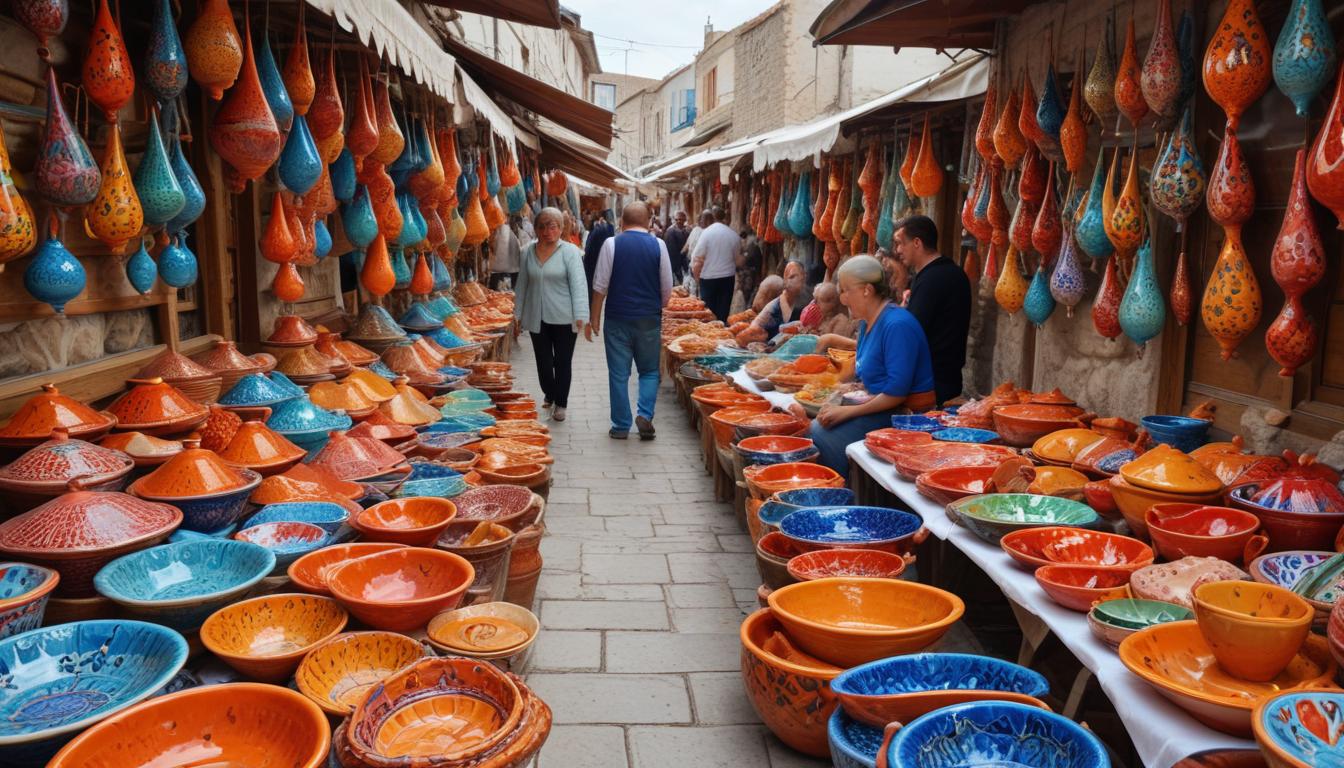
{"x": 1011, "y": 289}
{"x": 1039, "y": 304}
{"x": 1099, "y": 90}
{"x": 165, "y": 60}
{"x": 161, "y": 196}
{"x": 18, "y": 230}
{"x": 1142, "y": 311}
{"x": 141, "y": 271}
{"x": 54, "y": 275}
{"x": 1128, "y": 81}
{"x": 114, "y": 217}
{"x": 1008, "y": 140}
{"x": 1297, "y": 263}
{"x": 287, "y": 285}
{"x": 1325, "y": 164}
{"x": 984, "y": 129}
{"x": 299, "y": 166}
{"x": 401, "y": 271}
{"x": 277, "y": 242}
{"x": 244, "y": 132}
{"x": 1091, "y": 227}
{"x": 44, "y": 18}
{"x": 66, "y": 174}
{"x": 1177, "y": 183}
{"x": 107, "y": 76}
{"x": 1106, "y": 305}
{"x": 1231, "y": 191}
{"x": 1073, "y": 132}
{"x": 327, "y": 114}
{"x": 1047, "y": 233}
{"x": 1304, "y": 56}
{"x": 1067, "y": 284}
{"x": 177, "y": 264}
{"x": 1231, "y": 306}
{"x": 1160, "y": 79}
{"x": 214, "y": 50}
{"x": 273, "y": 85}
{"x": 1237, "y": 65}
{"x": 377, "y": 276}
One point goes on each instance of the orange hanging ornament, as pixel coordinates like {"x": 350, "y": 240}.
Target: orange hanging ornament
{"x": 927, "y": 178}
{"x": 1008, "y": 140}
{"x": 362, "y": 138}
{"x": 287, "y": 285}
{"x": 108, "y": 77}
{"x": 277, "y": 243}
{"x": 390, "y": 139}
{"x": 1128, "y": 82}
{"x": 1027, "y": 124}
{"x": 377, "y": 276}
{"x": 114, "y": 217}
{"x": 911, "y": 156}
{"x": 327, "y": 113}
{"x": 214, "y": 49}
{"x": 422, "y": 279}
{"x": 298, "y": 72}
{"x": 984, "y": 131}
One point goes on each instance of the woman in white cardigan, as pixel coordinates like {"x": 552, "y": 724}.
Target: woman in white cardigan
{"x": 551, "y": 303}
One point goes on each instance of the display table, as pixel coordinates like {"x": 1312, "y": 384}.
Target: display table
{"x": 778, "y": 400}
{"x": 1162, "y": 732}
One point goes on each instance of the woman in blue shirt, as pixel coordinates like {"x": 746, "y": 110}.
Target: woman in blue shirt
{"x": 551, "y": 303}
{"x": 892, "y": 362}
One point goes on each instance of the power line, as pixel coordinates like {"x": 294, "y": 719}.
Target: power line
{"x": 647, "y": 45}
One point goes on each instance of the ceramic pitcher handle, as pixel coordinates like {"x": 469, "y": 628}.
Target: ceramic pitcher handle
{"x": 920, "y": 536}
{"x": 1257, "y": 544}
{"x": 887, "y": 734}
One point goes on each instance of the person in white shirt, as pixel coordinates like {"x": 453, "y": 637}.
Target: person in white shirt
{"x": 706, "y": 218}
{"x": 714, "y": 264}
{"x": 505, "y": 254}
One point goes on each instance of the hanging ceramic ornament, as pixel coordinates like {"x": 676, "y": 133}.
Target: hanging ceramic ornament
{"x": 141, "y": 271}
{"x": 984, "y": 130}
{"x": 491, "y": 171}
{"x": 1142, "y": 312}
{"x": 300, "y": 166}
{"x": 321, "y": 239}
{"x": 18, "y": 231}
{"x": 298, "y": 72}
{"x": 457, "y": 231}
{"x": 1046, "y": 232}
{"x": 287, "y": 285}
{"x": 477, "y": 231}
{"x": 54, "y": 275}
{"x": 321, "y": 200}
{"x": 243, "y": 131}
{"x": 426, "y": 184}
{"x": 362, "y": 136}
{"x": 1161, "y": 77}
{"x": 108, "y": 78}
{"x": 358, "y": 219}
{"x": 327, "y": 114}
{"x": 192, "y": 194}
{"x": 1325, "y": 164}
{"x": 901, "y": 206}
{"x": 452, "y": 168}
{"x": 1024, "y": 218}
{"x": 1304, "y": 56}
{"x": 1128, "y": 223}
{"x": 998, "y": 215}
{"x": 800, "y": 215}
{"x": 983, "y": 230}
{"x": 177, "y": 264}
{"x": 1073, "y": 133}
{"x": 1067, "y": 284}
{"x": 436, "y": 232}
{"x": 1106, "y": 305}
{"x": 422, "y": 277}
{"x": 165, "y": 60}
{"x": 273, "y": 85}
{"x": 970, "y": 266}
{"x": 968, "y": 220}
{"x": 1176, "y": 186}
{"x": 44, "y": 18}
{"x": 1032, "y": 181}
{"x": 1182, "y": 294}
{"x": 927, "y": 177}
{"x": 1050, "y": 110}
{"x": 277, "y": 242}
{"x": 1099, "y": 91}
{"x": 1231, "y": 191}
{"x": 1187, "y": 50}
{"x": 1008, "y": 140}
{"x": 391, "y": 140}
{"x": 442, "y": 280}
{"x": 1026, "y": 115}
{"x": 214, "y": 50}
{"x": 992, "y": 259}
{"x": 1039, "y": 304}
{"x": 66, "y": 174}
{"x": 1010, "y": 290}
{"x": 1128, "y": 85}
{"x": 401, "y": 271}
{"x": 1237, "y": 65}
{"x": 160, "y": 195}
{"x": 1298, "y": 263}
{"x": 343, "y": 176}
{"x": 377, "y": 276}
{"x": 115, "y": 217}
{"x": 1231, "y": 306}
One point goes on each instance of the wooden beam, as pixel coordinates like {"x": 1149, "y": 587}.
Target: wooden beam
{"x": 214, "y": 233}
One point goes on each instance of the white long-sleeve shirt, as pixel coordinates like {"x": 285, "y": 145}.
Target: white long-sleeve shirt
{"x": 717, "y": 250}
{"x": 607, "y": 256}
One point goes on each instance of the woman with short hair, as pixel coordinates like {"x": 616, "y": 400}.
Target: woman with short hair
{"x": 551, "y": 303}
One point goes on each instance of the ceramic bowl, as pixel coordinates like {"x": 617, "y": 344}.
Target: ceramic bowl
{"x": 1175, "y": 582}
{"x": 210, "y": 511}
{"x": 1079, "y": 587}
{"x": 401, "y": 589}
{"x": 1175, "y": 659}
{"x": 773, "y": 552}
{"x": 948, "y": 484}
{"x": 1287, "y": 529}
{"x": 966, "y": 435}
{"x": 251, "y": 724}
{"x": 1022, "y": 425}
{"x": 1178, "y": 530}
{"x": 852, "y": 744}
{"x": 338, "y": 673}
{"x": 414, "y": 521}
{"x": 484, "y": 631}
{"x": 776, "y": 449}
{"x": 916, "y": 423}
{"x": 309, "y": 572}
{"x": 433, "y": 478}
{"x": 328, "y": 516}
{"x": 24, "y": 592}
{"x": 1299, "y": 729}
{"x": 1286, "y": 569}
{"x": 286, "y": 539}
{"x": 1062, "y": 545}
{"x": 1133, "y": 501}
{"x": 896, "y": 439}
{"x": 764, "y": 480}
{"x": 789, "y": 689}
{"x": 850, "y": 621}
{"x": 512, "y": 506}
{"x": 62, "y": 679}
{"x": 723, "y": 421}
{"x": 863, "y": 563}
{"x": 915, "y": 461}
{"x": 991, "y": 516}
{"x": 780, "y": 505}
{"x": 1253, "y": 629}
{"x": 265, "y": 638}
{"x": 769, "y": 423}
{"x": 180, "y": 584}
{"x": 902, "y": 688}
{"x": 1063, "y": 446}
{"x": 880, "y": 528}
{"x": 1112, "y": 625}
{"x": 1000, "y": 733}
{"x": 1180, "y": 432}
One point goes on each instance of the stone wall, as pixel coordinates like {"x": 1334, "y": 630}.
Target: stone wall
{"x": 760, "y": 58}
{"x": 54, "y": 343}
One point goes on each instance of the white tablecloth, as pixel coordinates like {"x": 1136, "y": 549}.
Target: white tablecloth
{"x": 1162, "y": 732}
{"x": 777, "y": 399}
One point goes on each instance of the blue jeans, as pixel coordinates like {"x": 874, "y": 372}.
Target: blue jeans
{"x": 833, "y": 442}
{"x": 639, "y": 340}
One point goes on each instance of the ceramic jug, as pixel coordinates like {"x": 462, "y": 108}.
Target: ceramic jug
{"x": 1008, "y": 140}
{"x": 54, "y": 275}
{"x": 1237, "y": 65}
{"x": 107, "y": 75}
{"x": 1099, "y": 90}
{"x": 161, "y": 196}
{"x": 287, "y": 285}
{"x": 273, "y": 85}
{"x": 1304, "y": 56}
{"x": 1128, "y": 82}
{"x": 1073, "y": 133}
{"x": 1047, "y": 232}
{"x": 377, "y": 276}
{"x": 1106, "y": 305}
{"x": 1231, "y": 191}
{"x": 1182, "y": 294}
{"x": 1325, "y": 164}
{"x": 141, "y": 271}
{"x": 298, "y": 72}
{"x": 66, "y": 173}
{"x": 1297, "y": 263}
{"x": 1142, "y": 311}
{"x": 18, "y": 231}
{"x": 299, "y": 166}
{"x": 244, "y": 132}
{"x": 165, "y": 60}
{"x": 1231, "y": 306}
{"x": 214, "y": 50}
{"x": 984, "y": 130}
{"x": 1067, "y": 283}
{"x": 44, "y": 18}
{"x": 1091, "y": 229}
{"x": 1160, "y": 80}
{"x": 192, "y": 193}
{"x": 1176, "y": 186}
{"x": 1010, "y": 290}
{"x": 1039, "y": 304}
{"x": 177, "y": 264}
{"x": 114, "y": 217}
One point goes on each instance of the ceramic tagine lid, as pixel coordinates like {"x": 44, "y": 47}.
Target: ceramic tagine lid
{"x": 146, "y": 450}
{"x": 376, "y": 327}
{"x": 410, "y": 407}
{"x": 419, "y": 318}
{"x": 306, "y": 364}
{"x": 375, "y": 387}
{"x": 301, "y": 415}
{"x": 1233, "y": 466}
{"x": 405, "y": 360}
{"x": 155, "y": 404}
{"x": 83, "y": 521}
{"x": 224, "y": 356}
{"x": 1064, "y": 445}
{"x": 49, "y": 410}
{"x": 343, "y": 396}
{"x": 193, "y": 472}
{"x": 355, "y": 458}
{"x": 255, "y": 390}
{"x": 353, "y": 352}
{"x": 258, "y": 447}
{"x": 62, "y": 459}
{"x": 1053, "y": 397}
{"x": 171, "y": 365}
{"x": 1166, "y": 469}
{"x": 291, "y": 331}
{"x": 1305, "y": 487}
{"x": 380, "y": 426}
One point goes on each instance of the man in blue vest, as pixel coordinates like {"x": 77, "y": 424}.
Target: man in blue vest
{"x": 634, "y": 270}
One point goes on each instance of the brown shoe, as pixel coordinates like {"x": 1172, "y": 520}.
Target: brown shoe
{"x": 645, "y": 428}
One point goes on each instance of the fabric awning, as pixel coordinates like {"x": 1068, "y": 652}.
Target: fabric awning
{"x": 945, "y": 24}
{"x": 588, "y": 120}
{"x": 480, "y": 101}
{"x": 717, "y": 155}
{"x": 578, "y": 158}
{"x": 388, "y": 28}
{"x": 539, "y": 13}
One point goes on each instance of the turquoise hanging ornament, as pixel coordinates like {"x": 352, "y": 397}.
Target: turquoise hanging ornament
{"x": 1050, "y": 110}
{"x": 1039, "y": 304}
{"x": 273, "y": 85}
{"x": 343, "y": 176}
{"x": 165, "y": 59}
{"x": 192, "y": 194}
{"x": 1304, "y": 56}
{"x": 516, "y": 198}
{"x": 300, "y": 165}
{"x": 800, "y": 217}
{"x": 1142, "y": 310}
{"x": 409, "y": 234}
{"x": 321, "y": 239}
{"x": 1067, "y": 284}
{"x": 1091, "y": 225}
{"x": 54, "y": 275}
{"x": 401, "y": 269}
{"x": 141, "y": 271}
{"x": 781, "y": 221}
{"x": 156, "y": 185}
{"x": 358, "y": 219}
{"x": 177, "y": 264}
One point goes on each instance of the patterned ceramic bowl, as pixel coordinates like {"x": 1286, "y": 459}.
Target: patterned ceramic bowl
{"x": 286, "y": 539}
{"x": 337, "y": 674}
{"x": 902, "y": 688}
{"x": 24, "y": 591}
{"x": 996, "y": 733}
{"x": 266, "y": 637}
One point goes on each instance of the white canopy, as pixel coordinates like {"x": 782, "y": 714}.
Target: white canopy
{"x": 390, "y": 29}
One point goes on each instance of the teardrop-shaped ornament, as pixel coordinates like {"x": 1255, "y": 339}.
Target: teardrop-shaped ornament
{"x": 1046, "y": 232}
{"x": 1099, "y": 91}
{"x": 114, "y": 217}
{"x": 243, "y": 131}
{"x": 277, "y": 242}
{"x": 1091, "y": 226}
{"x": 300, "y": 166}
{"x": 1128, "y": 223}
{"x": 67, "y": 176}
{"x": 401, "y": 271}
{"x": 141, "y": 271}
{"x": 1231, "y": 192}
{"x": 214, "y": 50}
{"x": 999, "y": 217}
{"x": 192, "y": 193}
{"x": 1073, "y": 132}
{"x": 273, "y": 85}
{"x": 1050, "y": 110}
{"x": 1237, "y": 61}
{"x": 377, "y": 276}
{"x": 177, "y": 264}
{"x": 1297, "y": 263}
{"x": 1008, "y": 140}
{"x": 165, "y": 60}
{"x": 1024, "y": 219}
{"x": 327, "y": 114}
{"x": 968, "y": 220}
{"x": 391, "y": 140}
{"x": 984, "y": 130}
{"x": 54, "y": 275}
{"x": 1011, "y": 289}
{"x": 1304, "y": 56}
{"x": 1039, "y": 304}
{"x": 361, "y": 137}
{"x": 1182, "y": 294}
{"x": 983, "y": 230}
{"x": 287, "y": 285}
{"x": 160, "y": 195}
{"x": 422, "y": 278}
{"x": 1325, "y": 164}
{"x": 1106, "y": 305}
{"x": 18, "y": 227}
{"x": 1161, "y": 77}
{"x": 1142, "y": 310}
{"x": 321, "y": 239}
{"x": 358, "y": 220}
{"x": 44, "y": 18}
{"x": 1067, "y": 284}
{"x": 1231, "y": 306}
{"x": 1128, "y": 85}
{"x": 1026, "y": 115}
{"x": 1176, "y": 186}
{"x": 108, "y": 77}
{"x": 298, "y": 71}
{"x": 908, "y": 164}
{"x": 1032, "y": 181}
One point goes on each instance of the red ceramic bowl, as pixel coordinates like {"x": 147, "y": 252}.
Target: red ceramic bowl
{"x": 1289, "y": 530}
{"x": 1023, "y": 425}
{"x": 401, "y": 589}
{"x": 766, "y": 479}
{"x": 862, "y": 563}
{"x": 1079, "y": 587}
{"x": 948, "y": 484}
{"x": 309, "y": 573}
{"x": 416, "y": 521}
{"x": 895, "y": 439}
{"x": 724, "y": 420}
{"x": 774, "y": 444}
{"x": 1077, "y": 546}
{"x": 1181, "y": 530}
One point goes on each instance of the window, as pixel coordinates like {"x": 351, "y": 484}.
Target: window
{"x": 711, "y": 89}
{"x": 682, "y": 109}
{"x": 604, "y": 96}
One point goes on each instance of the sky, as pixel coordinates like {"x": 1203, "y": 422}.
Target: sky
{"x": 665, "y": 35}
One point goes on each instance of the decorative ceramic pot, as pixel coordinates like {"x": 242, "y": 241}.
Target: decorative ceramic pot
{"x": 49, "y": 410}
{"x": 47, "y": 470}
{"x": 156, "y": 408}
{"x": 1237, "y": 62}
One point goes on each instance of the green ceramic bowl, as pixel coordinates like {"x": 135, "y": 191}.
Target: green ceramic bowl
{"x": 1133, "y": 613}
{"x": 993, "y": 515}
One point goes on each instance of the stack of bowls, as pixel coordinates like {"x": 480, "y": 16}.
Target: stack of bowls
{"x": 338, "y": 673}
{"x": 501, "y": 633}
{"x": 789, "y": 688}
{"x": 1180, "y": 432}
{"x": 1163, "y": 474}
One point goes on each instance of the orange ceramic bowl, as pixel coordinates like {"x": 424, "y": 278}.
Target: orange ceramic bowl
{"x": 265, "y": 638}
{"x": 724, "y": 420}
{"x": 1022, "y": 425}
{"x": 896, "y": 439}
{"x": 1198, "y": 530}
{"x": 309, "y": 573}
{"x": 1061, "y": 545}
{"x": 1134, "y": 501}
{"x": 1079, "y": 587}
{"x": 416, "y": 521}
{"x": 766, "y": 479}
{"x": 948, "y": 484}
{"x": 1253, "y": 629}
{"x": 862, "y": 563}
{"x": 789, "y": 690}
{"x": 239, "y": 724}
{"x": 401, "y": 589}
{"x": 851, "y": 621}
{"x": 338, "y": 673}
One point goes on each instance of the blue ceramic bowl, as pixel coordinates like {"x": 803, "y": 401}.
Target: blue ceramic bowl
{"x": 870, "y": 527}
{"x": 463, "y": 422}
{"x": 210, "y": 513}
{"x": 1288, "y": 727}
{"x": 286, "y": 539}
{"x": 430, "y": 479}
{"x": 325, "y": 515}
{"x": 853, "y": 744}
{"x": 179, "y": 585}
{"x": 785, "y": 503}
{"x": 255, "y": 390}
{"x": 995, "y": 733}
{"x": 916, "y": 422}
{"x": 285, "y": 385}
{"x": 60, "y": 680}
{"x": 182, "y": 534}
{"x": 24, "y": 591}
{"x": 922, "y": 672}
{"x": 966, "y": 435}
{"x": 1180, "y": 432}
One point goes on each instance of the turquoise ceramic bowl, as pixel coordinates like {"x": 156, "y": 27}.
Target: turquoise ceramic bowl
{"x": 324, "y": 514}
{"x": 1300, "y": 728}
{"x": 1136, "y": 614}
{"x": 180, "y": 585}
{"x": 24, "y": 591}
{"x": 993, "y": 515}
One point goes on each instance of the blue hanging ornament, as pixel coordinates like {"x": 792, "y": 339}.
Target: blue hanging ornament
{"x": 193, "y": 194}
{"x": 54, "y": 275}
{"x": 300, "y": 164}
{"x": 165, "y": 60}
{"x": 1143, "y": 311}
{"x": 1091, "y": 229}
{"x": 516, "y": 198}
{"x": 358, "y": 219}
{"x": 800, "y": 217}
{"x": 343, "y": 176}
{"x": 409, "y": 235}
{"x": 177, "y": 264}
{"x": 141, "y": 271}
{"x": 401, "y": 269}
{"x": 273, "y": 85}
{"x": 492, "y": 173}
{"x": 1039, "y": 304}
{"x": 321, "y": 239}
{"x": 1304, "y": 56}
{"x": 1050, "y": 110}
{"x": 161, "y": 196}
{"x": 442, "y": 280}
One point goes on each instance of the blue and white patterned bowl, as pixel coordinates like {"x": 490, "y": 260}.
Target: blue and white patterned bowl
{"x": 907, "y": 677}
{"x": 1180, "y": 432}
{"x": 984, "y": 733}
{"x": 286, "y": 539}
{"x": 179, "y": 585}
{"x": 1289, "y": 728}
{"x": 916, "y": 422}
{"x": 785, "y": 503}
{"x": 324, "y": 514}
{"x": 24, "y": 591}
{"x": 1285, "y": 569}
{"x": 966, "y": 435}
{"x": 182, "y": 534}
{"x": 853, "y": 744}
{"x": 864, "y": 527}
{"x": 60, "y": 680}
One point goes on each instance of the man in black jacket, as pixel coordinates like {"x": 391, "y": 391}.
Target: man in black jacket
{"x": 675, "y": 237}
{"x": 940, "y": 298}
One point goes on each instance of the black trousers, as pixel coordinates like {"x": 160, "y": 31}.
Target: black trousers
{"x": 554, "y": 348}
{"x": 717, "y": 293}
